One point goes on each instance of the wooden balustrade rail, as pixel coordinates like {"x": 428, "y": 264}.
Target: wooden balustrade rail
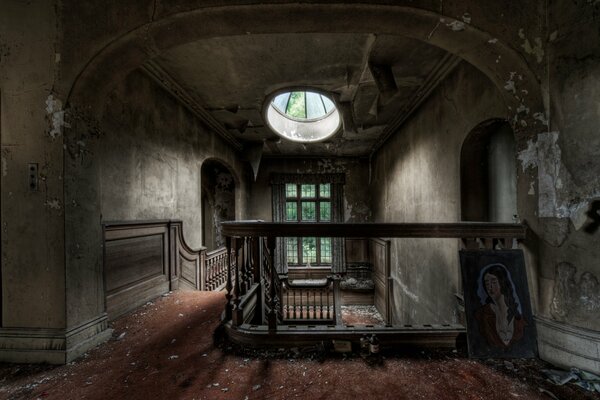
{"x": 461, "y": 230}
{"x": 250, "y": 254}
{"x": 308, "y": 302}
{"x": 215, "y": 274}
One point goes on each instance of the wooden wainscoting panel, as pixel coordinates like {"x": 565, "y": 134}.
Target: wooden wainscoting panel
{"x": 129, "y": 261}
{"x": 145, "y": 259}
{"x": 357, "y": 250}
{"x": 380, "y": 258}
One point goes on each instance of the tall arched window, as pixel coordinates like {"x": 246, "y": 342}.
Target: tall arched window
{"x": 488, "y": 174}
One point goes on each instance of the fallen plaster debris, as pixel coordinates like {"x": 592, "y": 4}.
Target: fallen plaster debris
{"x": 586, "y": 380}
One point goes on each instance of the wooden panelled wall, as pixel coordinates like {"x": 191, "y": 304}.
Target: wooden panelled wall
{"x": 145, "y": 259}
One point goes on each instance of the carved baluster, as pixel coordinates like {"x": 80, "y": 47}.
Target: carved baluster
{"x": 228, "y": 287}
{"x": 237, "y": 291}
{"x": 242, "y": 265}
{"x": 273, "y": 301}
{"x": 321, "y": 304}
{"x": 328, "y": 307}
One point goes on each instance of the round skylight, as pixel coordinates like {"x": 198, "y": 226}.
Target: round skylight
{"x": 303, "y": 116}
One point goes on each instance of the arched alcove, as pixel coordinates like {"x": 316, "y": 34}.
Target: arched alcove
{"x": 488, "y": 173}
{"x": 218, "y": 201}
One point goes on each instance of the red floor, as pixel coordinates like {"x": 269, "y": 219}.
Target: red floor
{"x": 165, "y": 351}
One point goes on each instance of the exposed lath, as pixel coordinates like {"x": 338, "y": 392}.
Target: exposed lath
{"x": 439, "y": 73}
{"x": 167, "y": 82}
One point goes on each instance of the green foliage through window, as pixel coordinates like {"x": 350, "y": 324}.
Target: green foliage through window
{"x": 308, "y": 203}
{"x": 296, "y": 106}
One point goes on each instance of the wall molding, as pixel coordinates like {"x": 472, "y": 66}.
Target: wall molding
{"x": 446, "y": 65}
{"x": 52, "y": 345}
{"x": 568, "y": 346}
{"x": 158, "y": 74}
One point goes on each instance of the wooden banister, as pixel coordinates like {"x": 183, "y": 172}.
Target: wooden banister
{"x": 388, "y": 230}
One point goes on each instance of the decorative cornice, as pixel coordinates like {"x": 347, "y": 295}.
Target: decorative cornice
{"x": 167, "y": 82}
{"x": 443, "y": 68}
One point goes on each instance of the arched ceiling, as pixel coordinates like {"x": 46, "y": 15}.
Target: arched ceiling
{"x": 377, "y": 80}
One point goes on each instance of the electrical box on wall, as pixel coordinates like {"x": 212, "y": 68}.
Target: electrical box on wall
{"x": 33, "y": 177}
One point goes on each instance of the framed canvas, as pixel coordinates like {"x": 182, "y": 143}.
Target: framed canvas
{"x": 498, "y": 311}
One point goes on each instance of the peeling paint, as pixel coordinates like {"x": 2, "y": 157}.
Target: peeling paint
{"x": 541, "y": 117}
{"x": 545, "y": 154}
{"x": 536, "y": 50}
{"x": 493, "y": 41}
{"x": 528, "y": 157}
{"x": 510, "y": 83}
{"x": 455, "y": 25}
{"x": 531, "y": 191}
{"x": 53, "y": 204}
{"x": 572, "y": 299}
{"x": 466, "y": 18}
{"x": 57, "y": 116}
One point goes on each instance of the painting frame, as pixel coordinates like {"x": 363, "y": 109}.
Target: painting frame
{"x": 498, "y": 310}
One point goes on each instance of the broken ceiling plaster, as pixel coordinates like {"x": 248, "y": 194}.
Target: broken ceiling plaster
{"x": 536, "y": 50}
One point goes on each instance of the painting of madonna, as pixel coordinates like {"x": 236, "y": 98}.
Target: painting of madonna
{"x": 498, "y": 313}
{"x": 500, "y": 317}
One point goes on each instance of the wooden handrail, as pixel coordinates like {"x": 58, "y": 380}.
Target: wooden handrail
{"x": 367, "y": 229}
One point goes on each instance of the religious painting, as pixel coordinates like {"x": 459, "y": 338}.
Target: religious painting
{"x": 498, "y": 312}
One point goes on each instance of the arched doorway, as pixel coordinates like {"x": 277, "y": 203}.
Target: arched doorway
{"x": 488, "y": 174}
{"x": 218, "y": 202}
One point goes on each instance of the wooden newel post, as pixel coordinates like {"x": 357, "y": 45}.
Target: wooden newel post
{"x": 238, "y": 313}
{"x": 273, "y": 299}
{"x": 228, "y": 286}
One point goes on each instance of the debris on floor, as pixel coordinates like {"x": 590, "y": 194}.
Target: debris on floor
{"x": 361, "y": 315}
{"x": 148, "y": 363}
{"x": 586, "y": 380}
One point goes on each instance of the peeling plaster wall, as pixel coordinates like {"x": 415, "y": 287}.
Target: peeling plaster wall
{"x": 151, "y": 158}
{"x": 356, "y": 194}
{"x": 31, "y": 118}
{"x": 416, "y": 178}
{"x": 568, "y": 168}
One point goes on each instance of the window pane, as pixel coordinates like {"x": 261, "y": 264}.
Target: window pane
{"x": 328, "y": 103}
{"x": 308, "y": 191}
{"x": 325, "y": 211}
{"x": 292, "y": 250}
{"x": 314, "y": 105}
{"x": 291, "y": 211}
{"x": 309, "y": 250}
{"x": 325, "y": 250}
{"x": 325, "y": 190}
{"x": 309, "y": 211}
{"x": 296, "y": 106}
{"x": 281, "y": 101}
{"x": 290, "y": 190}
